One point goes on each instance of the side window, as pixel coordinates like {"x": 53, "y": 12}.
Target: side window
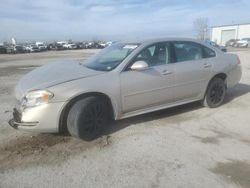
{"x": 146, "y": 54}
{"x": 157, "y": 54}
{"x": 187, "y": 51}
{"x": 208, "y": 53}
{"x": 152, "y": 50}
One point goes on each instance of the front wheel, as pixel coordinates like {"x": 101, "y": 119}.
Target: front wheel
{"x": 215, "y": 94}
{"x": 87, "y": 118}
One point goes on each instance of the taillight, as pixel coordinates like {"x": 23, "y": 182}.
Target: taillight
{"x": 238, "y": 61}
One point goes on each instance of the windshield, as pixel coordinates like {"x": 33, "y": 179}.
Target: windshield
{"x": 110, "y": 57}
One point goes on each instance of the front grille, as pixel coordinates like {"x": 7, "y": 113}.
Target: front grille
{"x": 17, "y": 116}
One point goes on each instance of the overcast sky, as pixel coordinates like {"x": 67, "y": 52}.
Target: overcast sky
{"x": 113, "y": 19}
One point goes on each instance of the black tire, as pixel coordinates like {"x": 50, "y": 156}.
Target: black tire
{"x": 88, "y": 118}
{"x": 215, "y": 93}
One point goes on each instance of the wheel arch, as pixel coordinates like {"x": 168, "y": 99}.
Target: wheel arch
{"x": 63, "y": 116}
{"x": 221, "y": 75}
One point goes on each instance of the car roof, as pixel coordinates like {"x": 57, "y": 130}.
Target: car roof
{"x": 146, "y": 42}
{"x": 154, "y": 40}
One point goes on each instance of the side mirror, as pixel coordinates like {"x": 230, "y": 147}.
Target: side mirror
{"x": 139, "y": 65}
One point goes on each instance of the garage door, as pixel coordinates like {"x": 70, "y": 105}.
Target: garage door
{"x": 226, "y": 35}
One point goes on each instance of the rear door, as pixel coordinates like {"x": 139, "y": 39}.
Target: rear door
{"x": 192, "y": 70}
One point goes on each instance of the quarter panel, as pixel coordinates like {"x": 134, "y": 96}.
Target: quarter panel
{"x": 228, "y": 63}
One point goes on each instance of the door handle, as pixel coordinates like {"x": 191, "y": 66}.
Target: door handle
{"x": 166, "y": 72}
{"x": 207, "y": 65}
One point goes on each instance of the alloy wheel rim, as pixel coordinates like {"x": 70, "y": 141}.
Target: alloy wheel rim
{"x": 216, "y": 93}
{"x": 94, "y": 118}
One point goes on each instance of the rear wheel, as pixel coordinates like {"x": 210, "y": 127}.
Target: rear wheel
{"x": 87, "y": 118}
{"x": 215, "y": 94}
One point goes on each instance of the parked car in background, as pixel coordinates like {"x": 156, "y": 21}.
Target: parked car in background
{"x": 55, "y": 46}
{"x": 26, "y": 47}
{"x": 79, "y": 45}
{"x": 243, "y": 43}
{"x": 10, "y": 49}
{"x": 85, "y": 45}
{"x": 59, "y": 46}
{"x": 70, "y": 46}
{"x": 96, "y": 45}
{"x": 32, "y": 48}
{"x": 109, "y": 43}
{"x": 42, "y": 47}
{"x": 3, "y": 50}
{"x": 231, "y": 43}
{"x": 65, "y": 45}
{"x": 14, "y": 49}
{"x": 121, "y": 81}
{"x": 52, "y": 46}
{"x": 89, "y": 45}
{"x": 222, "y": 48}
{"x": 19, "y": 49}
{"x": 101, "y": 44}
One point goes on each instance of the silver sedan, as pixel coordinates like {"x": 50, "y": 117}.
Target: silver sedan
{"x": 123, "y": 80}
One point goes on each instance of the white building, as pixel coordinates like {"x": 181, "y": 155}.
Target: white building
{"x": 222, "y": 34}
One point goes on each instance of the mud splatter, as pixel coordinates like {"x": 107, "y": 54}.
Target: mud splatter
{"x": 105, "y": 141}
{"x": 235, "y": 171}
{"x": 44, "y": 149}
{"x": 208, "y": 140}
{"x": 245, "y": 141}
{"x": 213, "y": 139}
{"x": 220, "y": 135}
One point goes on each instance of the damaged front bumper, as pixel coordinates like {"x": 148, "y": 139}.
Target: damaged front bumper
{"x": 16, "y": 121}
{"x": 40, "y": 119}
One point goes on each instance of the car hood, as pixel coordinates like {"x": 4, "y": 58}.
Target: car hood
{"x": 52, "y": 74}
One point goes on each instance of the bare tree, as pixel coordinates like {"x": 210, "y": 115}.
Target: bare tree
{"x": 201, "y": 28}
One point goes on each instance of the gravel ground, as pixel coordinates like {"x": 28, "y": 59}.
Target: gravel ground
{"x": 186, "y": 146}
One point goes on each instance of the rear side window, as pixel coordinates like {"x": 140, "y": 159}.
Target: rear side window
{"x": 208, "y": 53}
{"x": 187, "y": 51}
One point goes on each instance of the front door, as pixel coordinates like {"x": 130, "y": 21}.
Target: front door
{"x": 150, "y": 87}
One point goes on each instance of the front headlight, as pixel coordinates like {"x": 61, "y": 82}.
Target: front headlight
{"x": 36, "y": 98}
